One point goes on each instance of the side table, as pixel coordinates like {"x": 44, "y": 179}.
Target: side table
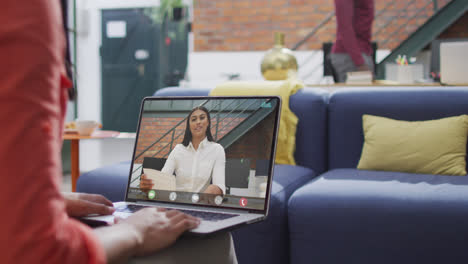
{"x": 75, "y": 150}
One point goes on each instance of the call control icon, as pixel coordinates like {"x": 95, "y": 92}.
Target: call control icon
{"x": 151, "y": 194}
{"x": 195, "y": 198}
{"x": 243, "y": 202}
{"x": 218, "y": 200}
{"x": 173, "y": 196}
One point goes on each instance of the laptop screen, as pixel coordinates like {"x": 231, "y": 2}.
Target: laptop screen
{"x": 207, "y": 151}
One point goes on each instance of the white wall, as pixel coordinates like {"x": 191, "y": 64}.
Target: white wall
{"x": 207, "y": 69}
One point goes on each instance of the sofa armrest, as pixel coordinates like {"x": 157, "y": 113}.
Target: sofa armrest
{"x": 110, "y": 181}
{"x": 177, "y": 91}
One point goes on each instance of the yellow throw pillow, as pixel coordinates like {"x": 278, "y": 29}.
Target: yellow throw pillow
{"x": 426, "y": 147}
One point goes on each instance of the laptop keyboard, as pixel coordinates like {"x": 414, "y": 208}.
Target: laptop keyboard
{"x": 208, "y": 216}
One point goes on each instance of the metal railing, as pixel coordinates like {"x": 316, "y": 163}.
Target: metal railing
{"x": 408, "y": 19}
{"x": 380, "y": 13}
{"x": 322, "y": 23}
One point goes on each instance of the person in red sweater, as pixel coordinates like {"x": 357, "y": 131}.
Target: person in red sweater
{"x": 352, "y": 50}
{"x": 37, "y": 224}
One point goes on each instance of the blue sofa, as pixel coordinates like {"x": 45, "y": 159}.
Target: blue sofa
{"x": 268, "y": 241}
{"x": 323, "y": 210}
{"x": 347, "y": 215}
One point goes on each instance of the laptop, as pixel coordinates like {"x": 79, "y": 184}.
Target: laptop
{"x": 245, "y": 127}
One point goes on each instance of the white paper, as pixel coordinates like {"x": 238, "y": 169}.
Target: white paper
{"x": 116, "y": 29}
{"x": 141, "y": 54}
{"x": 161, "y": 180}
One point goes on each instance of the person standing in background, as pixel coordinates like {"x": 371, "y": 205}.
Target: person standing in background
{"x": 352, "y": 50}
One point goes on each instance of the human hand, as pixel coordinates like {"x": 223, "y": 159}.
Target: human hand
{"x": 83, "y": 204}
{"x": 213, "y": 189}
{"x": 156, "y": 229}
{"x": 210, "y": 194}
{"x": 145, "y": 183}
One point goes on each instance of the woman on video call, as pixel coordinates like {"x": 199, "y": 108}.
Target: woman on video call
{"x": 198, "y": 162}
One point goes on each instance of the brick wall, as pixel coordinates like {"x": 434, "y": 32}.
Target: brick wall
{"x": 249, "y": 25}
{"x": 152, "y": 129}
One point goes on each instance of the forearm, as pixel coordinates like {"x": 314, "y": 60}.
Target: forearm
{"x": 145, "y": 232}
{"x": 119, "y": 242}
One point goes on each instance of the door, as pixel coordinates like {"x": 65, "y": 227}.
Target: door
{"x": 129, "y": 56}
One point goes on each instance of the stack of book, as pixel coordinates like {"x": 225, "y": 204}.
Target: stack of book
{"x": 359, "y": 77}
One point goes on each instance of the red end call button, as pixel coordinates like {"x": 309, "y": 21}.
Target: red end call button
{"x": 243, "y": 202}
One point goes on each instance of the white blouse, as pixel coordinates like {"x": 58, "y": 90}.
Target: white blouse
{"x": 195, "y": 169}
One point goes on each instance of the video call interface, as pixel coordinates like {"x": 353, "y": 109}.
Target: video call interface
{"x": 210, "y": 151}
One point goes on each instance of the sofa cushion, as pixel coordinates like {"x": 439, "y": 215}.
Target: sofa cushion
{"x": 346, "y": 107}
{"x": 110, "y": 181}
{"x": 355, "y": 216}
{"x": 268, "y": 241}
{"x": 177, "y": 91}
{"x": 430, "y": 147}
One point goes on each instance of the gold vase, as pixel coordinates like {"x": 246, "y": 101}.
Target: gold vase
{"x": 279, "y": 62}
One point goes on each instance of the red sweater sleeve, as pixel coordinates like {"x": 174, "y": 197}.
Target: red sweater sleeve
{"x": 35, "y": 227}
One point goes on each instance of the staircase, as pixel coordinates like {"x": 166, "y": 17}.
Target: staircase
{"x": 426, "y": 33}
{"x": 404, "y": 27}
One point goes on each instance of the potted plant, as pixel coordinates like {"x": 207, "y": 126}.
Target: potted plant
{"x": 177, "y": 9}
{"x": 173, "y": 8}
